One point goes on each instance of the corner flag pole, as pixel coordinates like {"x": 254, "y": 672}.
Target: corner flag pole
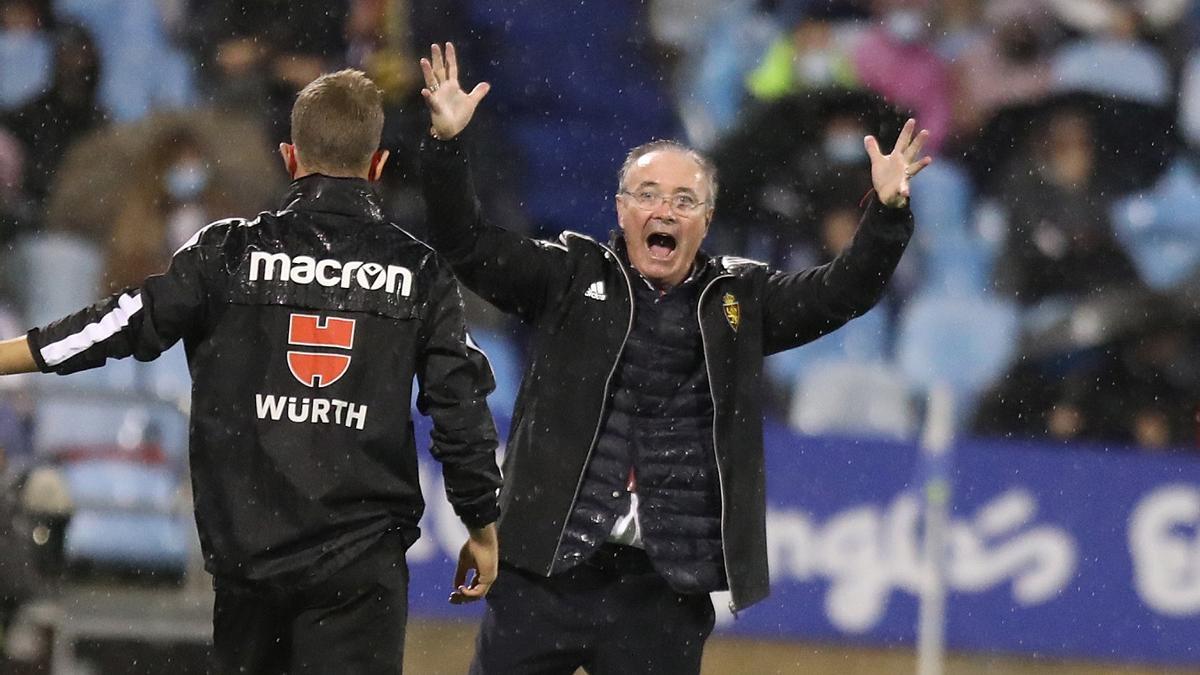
{"x": 936, "y": 445}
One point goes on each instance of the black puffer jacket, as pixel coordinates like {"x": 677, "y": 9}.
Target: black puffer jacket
{"x": 660, "y": 425}
{"x": 578, "y": 298}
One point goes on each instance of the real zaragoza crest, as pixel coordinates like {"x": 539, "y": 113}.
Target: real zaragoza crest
{"x": 733, "y": 311}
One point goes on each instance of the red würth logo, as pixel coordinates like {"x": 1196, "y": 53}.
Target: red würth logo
{"x": 319, "y": 369}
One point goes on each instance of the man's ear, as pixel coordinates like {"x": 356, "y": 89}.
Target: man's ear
{"x": 375, "y": 170}
{"x": 288, "y": 152}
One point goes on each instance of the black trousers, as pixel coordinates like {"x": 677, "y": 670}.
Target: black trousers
{"x": 350, "y": 623}
{"x": 610, "y": 615}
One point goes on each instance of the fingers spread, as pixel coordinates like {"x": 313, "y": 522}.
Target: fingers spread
{"x": 914, "y": 169}
{"x": 905, "y": 136}
{"x": 427, "y": 72}
{"x": 914, "y": 149}
{"x": 872, "y": 146}
{"x": 480, "y": 91}
{"x": 451, "y": 62}
{"x": 439, "y": 65}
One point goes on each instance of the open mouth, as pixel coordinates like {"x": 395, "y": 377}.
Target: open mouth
{"x": 661, "y": 245}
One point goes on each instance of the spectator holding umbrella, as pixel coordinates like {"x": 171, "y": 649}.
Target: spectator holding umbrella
{"x": 1060, "y": 241}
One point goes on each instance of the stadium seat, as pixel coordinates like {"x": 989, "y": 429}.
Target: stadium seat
{"x": 126, "y": 515}
{"x": 78, "y": 419}
{"x": 117, "y": 485}
{"x": 863, "y": 340}
{"x": 847, "y": 398}
{"x": 507, "y": 365}
{"x": 941, "y": 205}
{"x": 140, "y": 70}
{"x": 1120, "y": 68}
{"x": 954, "y": 257}
{"x": 16, "y": 441}
{"x": 713, "y": 82}
{"x": 960, "y": 266}
{"x": 1158, "y": 228}
{"x": 129, "y": 540}
{"x": 54, "y": 274}
{"x": 168, "y": 377}
{"x": 26, "y": 66}
{"x": 963, "y": 341}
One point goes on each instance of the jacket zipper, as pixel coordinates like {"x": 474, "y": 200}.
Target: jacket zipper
{"x": 603, "y": 405}
{"x": 716, "y": 451}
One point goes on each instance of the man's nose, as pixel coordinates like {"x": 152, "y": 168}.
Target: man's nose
{"x": 663, "y": 210}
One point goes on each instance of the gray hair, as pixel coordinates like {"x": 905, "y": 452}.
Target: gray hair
{"x": 706, "y": 166}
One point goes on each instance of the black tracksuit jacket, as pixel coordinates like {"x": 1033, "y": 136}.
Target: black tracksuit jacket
{"x": 304, "y": 329}
{"x": 577, "y": 297}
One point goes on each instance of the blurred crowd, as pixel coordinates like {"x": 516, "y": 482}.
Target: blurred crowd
{"x": 1050, "y": 284}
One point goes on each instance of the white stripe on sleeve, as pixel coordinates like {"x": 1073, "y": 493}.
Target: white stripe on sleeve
{"x": 93, "y": 333}
{"x": 471, "y": 344}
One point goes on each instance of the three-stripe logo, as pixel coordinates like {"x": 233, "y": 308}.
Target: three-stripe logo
{"x": 596, "y": 291}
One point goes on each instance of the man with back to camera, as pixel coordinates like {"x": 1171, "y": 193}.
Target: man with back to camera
{"x": 304, "y": 329}
{"x": 634, "y": 480}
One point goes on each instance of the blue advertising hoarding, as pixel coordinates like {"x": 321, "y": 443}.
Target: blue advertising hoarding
{"x": 1053, "y": 550}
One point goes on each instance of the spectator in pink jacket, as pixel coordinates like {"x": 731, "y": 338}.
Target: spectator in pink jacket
{"x": 895, "y": 59}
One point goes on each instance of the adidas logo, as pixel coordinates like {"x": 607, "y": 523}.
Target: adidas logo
{"x": 596, "y": 291}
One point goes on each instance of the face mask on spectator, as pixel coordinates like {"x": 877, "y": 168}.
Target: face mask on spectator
{"x": 905, "y": 25}
{"x": 843, "y": 148}
{"x": 185, "y": 181}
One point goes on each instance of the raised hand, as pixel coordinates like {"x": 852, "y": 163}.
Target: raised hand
{"x": 892, "y": 173}
{"x": 450, "y": 108}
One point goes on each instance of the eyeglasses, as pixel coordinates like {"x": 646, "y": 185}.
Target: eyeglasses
{"x": 682, "y": 204}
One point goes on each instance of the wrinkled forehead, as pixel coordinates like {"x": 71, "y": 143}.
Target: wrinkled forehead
{"x": 670, "y": 169}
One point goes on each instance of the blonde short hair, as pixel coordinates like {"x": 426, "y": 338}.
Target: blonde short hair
{"x": 337, "y": 122}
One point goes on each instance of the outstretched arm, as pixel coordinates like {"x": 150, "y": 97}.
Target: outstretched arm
{"x": 513, "y": 272}
{"x": 140, "y": 322}
{"x": 803, "y": 306}
{"x": 16, "y": 356}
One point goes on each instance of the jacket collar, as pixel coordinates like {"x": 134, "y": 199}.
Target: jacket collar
{"x": 353, "y": 197}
